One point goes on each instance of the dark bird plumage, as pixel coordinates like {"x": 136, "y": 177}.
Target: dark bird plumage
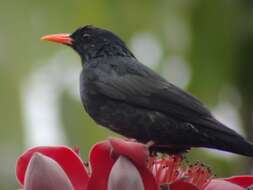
{"x": 127, "y": 97}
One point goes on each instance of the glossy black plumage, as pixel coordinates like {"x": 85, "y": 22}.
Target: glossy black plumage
{"x": 127, "y": 97}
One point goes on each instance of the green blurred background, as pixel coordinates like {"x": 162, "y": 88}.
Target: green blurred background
{"x": 203, "y": 46}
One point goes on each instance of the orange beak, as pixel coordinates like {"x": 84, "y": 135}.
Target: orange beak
{"x": 59, "y": 38}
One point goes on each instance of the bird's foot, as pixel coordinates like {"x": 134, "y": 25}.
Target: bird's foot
{"x": 149, "y": 144}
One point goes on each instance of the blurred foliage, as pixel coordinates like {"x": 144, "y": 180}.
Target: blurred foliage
{"x": 215, "y": 37}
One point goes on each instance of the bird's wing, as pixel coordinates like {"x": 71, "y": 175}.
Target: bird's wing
{"x": 144, "y": 88}
{"x": 136, "y": 84}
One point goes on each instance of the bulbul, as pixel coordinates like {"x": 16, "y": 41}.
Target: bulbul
{"x": 122, "y": 94}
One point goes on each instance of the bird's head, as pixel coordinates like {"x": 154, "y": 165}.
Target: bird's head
{"x": 91, "y": 42}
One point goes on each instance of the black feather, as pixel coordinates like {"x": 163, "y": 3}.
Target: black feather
{"x": 127, "y": 97}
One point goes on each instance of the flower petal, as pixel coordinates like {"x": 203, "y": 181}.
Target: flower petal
{"x": 182, "y": 185}
{"x": 135, "y": 151}
{"x": 138, "y": 154}
{"x": 44, "y": 173}
{"x": 218, "y": 184}
{"x": 69, "y": 161}
{"x": 102, "y": 160}
{"x": 101, "y": 163}
{"x": 244, "y": 181}
{"x": 125, "y": 176}
{"x": 148, "y": 179}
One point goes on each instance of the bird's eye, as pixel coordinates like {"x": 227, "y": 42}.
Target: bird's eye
{"x": 86, "y": 36}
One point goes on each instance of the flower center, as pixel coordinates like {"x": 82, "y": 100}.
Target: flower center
{"x": 169, "y": 169}
{"x": 199, "y": 175}
{"x": 166, "y": 169}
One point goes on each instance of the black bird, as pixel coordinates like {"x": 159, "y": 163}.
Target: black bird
{"x": 122, "y": 94}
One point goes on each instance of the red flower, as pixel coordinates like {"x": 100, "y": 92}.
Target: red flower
{"x": 169, "y": 171}
{"x": 115, "y": 164}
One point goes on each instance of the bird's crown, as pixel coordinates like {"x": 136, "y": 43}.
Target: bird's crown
{"x": 92, "y": 42}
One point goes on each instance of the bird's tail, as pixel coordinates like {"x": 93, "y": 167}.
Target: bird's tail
{"x": 226, "y": 139}
{"x": 246, "y": 149}
{"x": 238, "y": 146}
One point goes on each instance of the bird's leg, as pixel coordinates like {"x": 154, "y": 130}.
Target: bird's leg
{"x": 149, "y": 144}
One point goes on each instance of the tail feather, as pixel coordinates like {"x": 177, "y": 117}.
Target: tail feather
{"x": 224, "y": 138}
{"x": 238, "y": 146}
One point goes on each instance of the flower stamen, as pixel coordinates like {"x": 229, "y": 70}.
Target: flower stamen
{"x": 169, "y": 169}
{"x": 199, "y": 175}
